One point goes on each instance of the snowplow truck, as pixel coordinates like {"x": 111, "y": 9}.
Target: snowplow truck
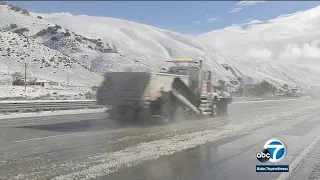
{"x": 184, "y": 90}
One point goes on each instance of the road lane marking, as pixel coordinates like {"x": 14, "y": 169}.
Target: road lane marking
{"x": 51, "y": 113}
{"x": 16, "y": 123}
{"x": 245, "y": 102}
{"x": 264, "y": 107}
{"x": 297, "y": 161}
{"x": 47, "y": 137}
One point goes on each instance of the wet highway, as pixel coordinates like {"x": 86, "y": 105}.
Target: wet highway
{"x": 89, "y": 146}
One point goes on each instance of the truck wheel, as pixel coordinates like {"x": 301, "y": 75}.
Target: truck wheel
{"x": 223, "y": 108}
{"x": 119, "y": 114}
{"x": 114, "y": 113}
{"x": 214, "y": 108}
{"x": 143, "y": 116}
{"x": 179, "y": 114}
{"x": 166, "y": 108}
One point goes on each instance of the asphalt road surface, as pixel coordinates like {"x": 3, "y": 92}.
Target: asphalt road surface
{"x": 89, "y": 146}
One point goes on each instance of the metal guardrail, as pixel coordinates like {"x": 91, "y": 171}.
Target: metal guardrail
{"x": 49, "y": 105}
{"x": 239, "y": 99}
{"x": 25, "y": 106}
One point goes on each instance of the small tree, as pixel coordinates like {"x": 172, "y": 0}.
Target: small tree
{"x": 54, "y": 38}
{"x": 54, "y": 31}
{"x": 21, "y": 30}
{"x": 265, "y": 86}
{"x": 78, "y": 39}
{"x": 57, "y": 26}
{"x": 42, "y": 32}
{"x": 16, "y": 76}
{"x": 67, "y": 34}
{"x": 50, "y": 28}
{"x": 13, "y": 26}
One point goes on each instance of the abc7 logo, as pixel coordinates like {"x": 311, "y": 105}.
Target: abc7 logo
{"x": 274, "y": 151}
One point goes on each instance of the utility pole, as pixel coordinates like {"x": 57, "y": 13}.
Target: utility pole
{"x": 8, "y": 73}
{"x": 25, "y": 68}
{"x": 25, "y": 75}
{"x": 67, "y": 78}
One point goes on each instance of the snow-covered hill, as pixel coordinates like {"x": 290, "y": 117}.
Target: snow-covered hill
{"x": 48, "y": 63}
{"x": 42, "y": 62}
{"x": 289, "y": 38}
{"x": 108, "y": 44}
{"x": 17, "y": 47}
{"x": 153, "y": 46}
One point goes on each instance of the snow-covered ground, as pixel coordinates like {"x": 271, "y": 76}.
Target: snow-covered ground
{"x": 51, "y": 113}
{"x": 42, "y": 62}
{"x": 94, "y": 45}
{"x": 38, "y": 92}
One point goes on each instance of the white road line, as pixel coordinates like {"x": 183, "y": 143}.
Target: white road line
{"x": 18, "y": 125}
{"x": 264, "y": 108}
{"x": 297, "y": 161}
{"x": 245, "y": 102}
{"x": 99, "y": 132}
{"x": 47, "y": 137}
{"x": 50, "y": 113}
{"x": 21, "y": 125}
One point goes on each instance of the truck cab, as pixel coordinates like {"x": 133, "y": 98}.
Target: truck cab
{"x": 200, "y": 83}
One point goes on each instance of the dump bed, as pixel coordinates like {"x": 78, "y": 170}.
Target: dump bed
{"x": 123, "y": 88}
{"x": 134, "y": 88}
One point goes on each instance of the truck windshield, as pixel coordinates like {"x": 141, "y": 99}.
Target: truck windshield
{"x": 179, "y": 71}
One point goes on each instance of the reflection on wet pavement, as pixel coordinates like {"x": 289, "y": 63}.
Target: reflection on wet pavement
{"x": 219, "y": 148}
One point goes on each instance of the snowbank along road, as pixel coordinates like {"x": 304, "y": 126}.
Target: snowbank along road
{"x": 89, "y": 146}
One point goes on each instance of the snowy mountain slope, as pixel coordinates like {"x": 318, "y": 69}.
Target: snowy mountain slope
{"x": 152, "y": 46}
{"x": 290, "y": 38}
{"x": 144, "y": 44}
{"x": 52, "y": 35}
{"x": 132, "y": 43}
{"x": 139, "y": 47}
{"x": 43, "y": 62}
